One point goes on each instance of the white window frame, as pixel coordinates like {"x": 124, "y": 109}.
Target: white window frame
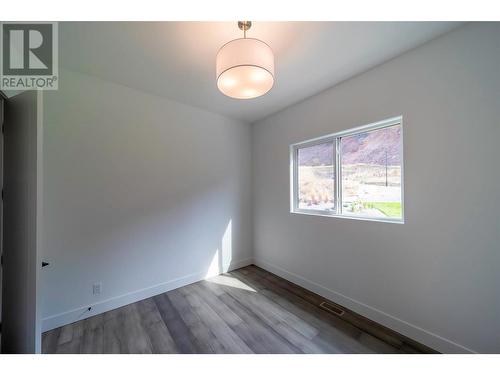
{"x": 335, "y": 138}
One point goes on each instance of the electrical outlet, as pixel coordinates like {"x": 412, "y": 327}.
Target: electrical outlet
{"x": 97, "y": 288}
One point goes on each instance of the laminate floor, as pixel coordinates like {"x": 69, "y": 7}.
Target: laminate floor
{"x": 244, "y": 311}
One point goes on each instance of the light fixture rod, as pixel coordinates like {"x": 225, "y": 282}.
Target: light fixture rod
{"x": 244, "y": 25}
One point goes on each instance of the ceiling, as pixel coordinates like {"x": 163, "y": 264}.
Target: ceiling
{"x": 176, "y": 60}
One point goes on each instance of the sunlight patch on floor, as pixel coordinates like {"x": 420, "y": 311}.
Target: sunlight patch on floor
{"x": 232, "y": 282}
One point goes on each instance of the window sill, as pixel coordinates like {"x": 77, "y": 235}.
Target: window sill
{"x": 350, "y": 217}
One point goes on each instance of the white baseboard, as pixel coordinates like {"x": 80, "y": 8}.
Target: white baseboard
{"x": 82, "y": 312}
{"x": 418, "y": 334}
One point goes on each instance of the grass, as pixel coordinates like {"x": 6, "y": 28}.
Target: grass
{"x": 390, "y": 209}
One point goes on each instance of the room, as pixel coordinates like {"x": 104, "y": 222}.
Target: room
{"x": 250, "y": 187}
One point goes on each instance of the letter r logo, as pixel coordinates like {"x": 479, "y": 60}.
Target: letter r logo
{"x": 27, "y": 49}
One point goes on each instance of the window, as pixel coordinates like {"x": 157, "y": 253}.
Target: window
{"x": 355, "y": 173}
{"x": 316, "y": 177}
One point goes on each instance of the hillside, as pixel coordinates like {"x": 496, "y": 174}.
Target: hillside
{"x": 373, "y": 147}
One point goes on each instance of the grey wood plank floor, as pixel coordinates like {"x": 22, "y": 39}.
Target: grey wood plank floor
{"x": 244, "y": 311}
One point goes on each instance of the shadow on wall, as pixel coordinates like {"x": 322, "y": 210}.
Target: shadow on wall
{"x": 134, "y": 246}
{"x": 185, "y": 236}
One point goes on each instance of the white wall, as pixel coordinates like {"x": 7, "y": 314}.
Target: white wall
{"x": 434, "y": 278}
{"x": 140, "y": 193}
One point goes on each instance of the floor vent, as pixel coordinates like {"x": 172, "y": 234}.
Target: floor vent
{"x": 331, "y": 308}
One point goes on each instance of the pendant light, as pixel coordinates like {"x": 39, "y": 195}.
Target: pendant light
{"x": 245, "y": 66}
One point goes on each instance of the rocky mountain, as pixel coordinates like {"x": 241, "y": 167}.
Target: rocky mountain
{"x": 376, "y": 147}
